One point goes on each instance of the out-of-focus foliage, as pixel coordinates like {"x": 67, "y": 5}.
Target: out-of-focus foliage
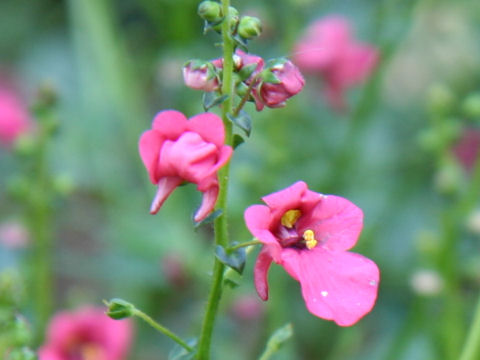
{"x": 114, "y": 64}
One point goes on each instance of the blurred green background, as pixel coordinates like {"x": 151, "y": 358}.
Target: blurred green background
{"x": 114, "y": 64}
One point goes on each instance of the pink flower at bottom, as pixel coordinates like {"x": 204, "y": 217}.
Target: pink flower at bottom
{"x": 329, "y": 50}
{"x": 86, "y": 334}
{"x": 177, "y": 150}
{"x": 14, "y": 118}
{"x": 467, "y": 147}
{"x": 309, "y": 234}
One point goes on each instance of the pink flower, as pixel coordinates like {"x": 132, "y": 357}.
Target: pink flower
{"x": 328, "y": 49}
{"x": 200, "y": 77}
{"x": 14, "y": 235}
{"x": 247, "y": 308}
{"x": 276, "y": 94}
{"x": 466, "y": 150}
{"x": 309, "y": 234}
{"x": 86, "y": 334}
{"x": 14, "y": 118}
{"x": 178, "y": 150}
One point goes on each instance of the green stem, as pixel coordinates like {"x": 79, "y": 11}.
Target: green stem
{"x": 246, "y": 96}
{"x": 39, "y": 220}
{"x": 471, "y": 349}
{"x": 221, "y": 225}
{"x": 245, "y": 244}
{"x": 162, "y": 329}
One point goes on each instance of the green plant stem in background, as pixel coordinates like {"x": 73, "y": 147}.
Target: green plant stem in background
{"x": 221, "y": 225}
{"x": 40, "y": 225}
{"x": 162, "y": 329}
{"x": 245, "y": 244}
{"x": 471, "y": 349}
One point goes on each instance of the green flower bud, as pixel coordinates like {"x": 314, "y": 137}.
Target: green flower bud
{"x": 234, "y": 19}
{"x": 249, "y": 27}
{"x": 210, "y": 11}
{"x": 441, "y": 100}
{"x": 471, "y": 106}
{"x": 119, "y": 309}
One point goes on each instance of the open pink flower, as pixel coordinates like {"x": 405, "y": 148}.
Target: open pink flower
{"x": 329, "y": 50}
{"x": 86, "y": 334}
{"x": 177, "y": 150}
{"x": 309, "y": 234}
{"x": 14, "y": 118}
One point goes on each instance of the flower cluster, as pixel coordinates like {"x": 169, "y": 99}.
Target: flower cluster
{"x": 177, "y": 150}
{"x": 86, "y": 334}
{"x": 309, "y": 235}
{"x": 270, "y": 85}
{"x": 329, "y": 50}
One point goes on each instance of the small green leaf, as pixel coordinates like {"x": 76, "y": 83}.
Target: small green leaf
{"x": 235, "y": 259}
{"x": 247, "y": 71}
{"x": 180, "y": 353}
{"x": 243, "y": 121}
{"x": 211, "y": 99}
{"x": 232, "y": 284}
{"x": 237, "y": 140}
{"x": 240, "y": 42}
{"x": 270, "y": 77}
{"x": 276, "y": 340}
{"x": 210, "y": 218}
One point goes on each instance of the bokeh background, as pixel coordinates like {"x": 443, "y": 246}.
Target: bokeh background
{"x": 114, "y": 64}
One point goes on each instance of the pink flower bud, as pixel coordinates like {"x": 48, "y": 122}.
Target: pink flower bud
{"x": 14, "y": 118}
{"x": 200, "y": 77}
{"x": 466, "y": 149}
{"x": 275, "y": 94}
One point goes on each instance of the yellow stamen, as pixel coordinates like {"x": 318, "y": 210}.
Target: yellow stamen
{"x": 290, "y": 218}
{"x": 92, "y": 352}
{"x": 309, "y": 237}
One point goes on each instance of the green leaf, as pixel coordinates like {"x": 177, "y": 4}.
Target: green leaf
{"x": 237, "y": 140}
{"x": 210, "y": 218}
{"x": 235, "y": 259}
{"x": 211, "y": 99}
{"x": 240, "y": 42}
{"x": 232, "y": 284}
{"x": 247, "y": 71}
{"x": 243, "y": 121}
{"x": 180, "y": 353}
{"x": 270, "y": 77}
{"x": 276, "y": 340}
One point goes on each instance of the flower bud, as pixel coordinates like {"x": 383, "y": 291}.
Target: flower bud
{"x": 426, "y": 282}
{"x": 249, "y": 27}
{"x": 200, "y": 76}
{"x": 119, "y": 309}
{"x": 471, "y": 106}
{"x": 210, "y": 11}
{"x": 280, "y": 82}
{"x": 441, "y": 100}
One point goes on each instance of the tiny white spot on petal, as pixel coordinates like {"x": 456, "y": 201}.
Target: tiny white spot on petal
{"x": 373, "y": 282}
{"x": 324, "y": 293}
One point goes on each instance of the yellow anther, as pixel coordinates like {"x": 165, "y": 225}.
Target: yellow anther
{"x": 290, "y": 218}
{"x": 92, "y": 352}
{"x": 309, "y": 237}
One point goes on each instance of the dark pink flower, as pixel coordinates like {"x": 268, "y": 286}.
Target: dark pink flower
{"x": 178, "y": 150}
{"x": 275, "y": 95}
{"x": 86, "y": 334}
{"x": 328, "y": 49}
{"x": 466, "y": 149}
{"x": 309, "y": 234}
{"x": 14, "y": 118}
{"x": 200, "y": 77}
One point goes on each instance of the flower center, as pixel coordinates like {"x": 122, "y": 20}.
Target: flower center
{"x": 288, "y": 235}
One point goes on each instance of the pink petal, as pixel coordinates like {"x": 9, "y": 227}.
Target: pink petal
{"x": 119, "y": 334}
{"x": 170, "y": 123}
{"x": 337, "y": 223}
{"x": 338, "y": 286}
{"x": 149, "y": 148}
{"x": 358, "y": 62}
{"x": 208, "y": 203}
{"x": 49, "y": 353}
{"x": 209, "y": 126}
{"x": 286, "y": 199}
{"x": 262, "y": 264}
{"x": 223, "y": 157}
{"x": 166, "y": 185}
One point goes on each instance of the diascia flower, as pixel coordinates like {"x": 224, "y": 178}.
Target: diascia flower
{"x": 309, "y": 234}
{"x": 177, "y": 150}
{"x": 86, "y": 334}
{"x": 329, "y": 50}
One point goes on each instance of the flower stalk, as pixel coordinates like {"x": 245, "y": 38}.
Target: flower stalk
{"x": 221, "y": 225}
